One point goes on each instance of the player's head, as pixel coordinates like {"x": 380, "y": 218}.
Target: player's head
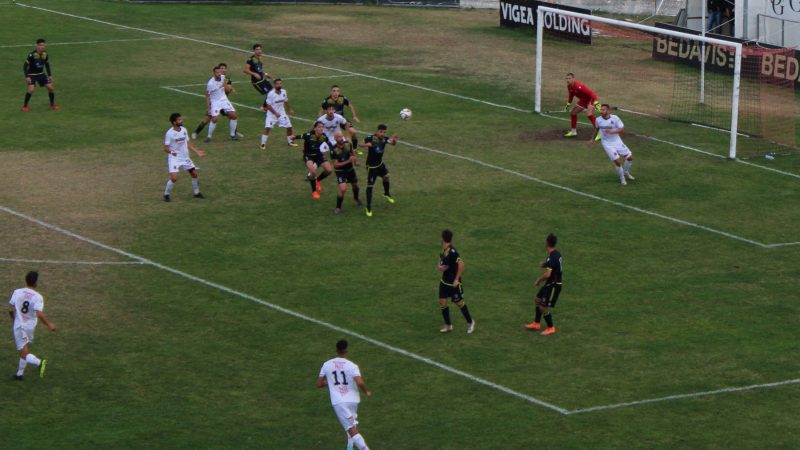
{"x": 217, "y": 72}
{"x": 257, "y": 49}
{"x": 341, "y": 347}
{"x": 330, "y": 111}
{"x": 338, "y": 137}
{"x": 277, "y": 83}
{"x": 570, "y": 78}
{"x": 31, "y": 278}
{"x": 551, "y": 240}
{"x": 40, "y": 43}
{"x": 319, "y": 128}
{"x": 605, "y": 110}
{"x": 381, "y": 130}
{"x": 447, "y": 236}
{"x": 335, "y": 91}
{"x": 223, "y": 67}
{"x": 175, "y": 119}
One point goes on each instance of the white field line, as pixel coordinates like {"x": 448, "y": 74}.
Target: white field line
{"x": 537, "y": 180}
{"x": 783, "y": 244}
{"x": 288, "y": 312}
{"x": 88, "y": 263}
{"x": 721, "y": 130}
{"x": 386, "y": 80}
{"x": 89, "y": 42}
{"x": 684, "y": 396}
{"x": 283, "y": 78}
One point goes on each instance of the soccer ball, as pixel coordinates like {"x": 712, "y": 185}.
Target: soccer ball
{"x": 405, "y": 114}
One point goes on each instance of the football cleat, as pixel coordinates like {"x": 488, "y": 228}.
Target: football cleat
{"x": 570, "y": 133}
{"x": 319, "y": 186}
{"x": 597, "y": 138}
{"x": 533, "y": 326}
{"x": 446, "y": 329}
{"x": 239, "y": 135}
{"x": 25, "y": 108}
{"x": 629, "y": 176}
{"x": 199, "y": 195}
{"x": 55, "y": 107}
{"x": 194, "y": 136}
{"x": 18, "y": 377}
{"x": 369, "y": 212}
{"x": 597, "y": 105}
{"x": 338, "y": 211}
{"x": 315, "y": 194}
{"x": 549, "y": 331}
{"x": 42, "y": 368}
{"x": 166, "y": 198}
{"x": 622, "y": 182}
{"x": 207, "y": 140}
{"x": 359, "y": 202}
{"x": 471, "y": 327}
{"x": 263, "y": 146}
{"x": 388, "y": 198}
{"x": 292, "y": 144}
{"x": 234, "y": 138}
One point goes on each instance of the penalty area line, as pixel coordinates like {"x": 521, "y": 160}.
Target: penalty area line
{"x": 87, "y": 263}
{"x": 90, "y": 42}
{"x": 289, "y": 312}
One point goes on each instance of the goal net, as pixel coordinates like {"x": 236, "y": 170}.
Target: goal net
{"x": 712, "y": 92}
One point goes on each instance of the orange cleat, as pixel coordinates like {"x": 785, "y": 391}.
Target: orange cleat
{"x": 319, "y": 186}
{"x": 315, "y": 194}
{"x": 25, "y": 108}
{"x": 55, "y": 107}
{"x": 533, "y": 326}
{"x": 549, "y": 331}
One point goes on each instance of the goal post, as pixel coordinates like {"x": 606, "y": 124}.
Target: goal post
{"x": 644, "y": 35}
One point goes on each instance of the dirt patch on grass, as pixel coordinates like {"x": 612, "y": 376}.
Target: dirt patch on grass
{"x": 553, "y": 134}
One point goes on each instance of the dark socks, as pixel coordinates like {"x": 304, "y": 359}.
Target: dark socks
{"x": 339, "y": 201}
{"x": 386, "y": 188}
{"x": 465, "y": 312}
{"x": 446, "y": 314}
{"x": 52, "y": 96}
{"x": 538, "y": 315}
{"x": 323, "y": 176}
{"x": 369, "y": 206}
{"x": 200, "y": 127}
{"x": 549, "y": 319}
{"x": 313, "y": 183}
{"x": 355, "y": 193}
{"x": 27, "y": 98}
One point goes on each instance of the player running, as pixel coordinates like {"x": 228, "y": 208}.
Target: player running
{"x": 217, "y": 102}
{"x": 255, "y": 68}
{"x": 34, "y": 69}
{"x": 26, "y": 308}
{"x": 547, "y": 296}
{"x": 609, "y": 129}
{"x": 176, "y": 145}
{"x": 587, "y": 101}
{"x": 339, "y": 374}
{"x": 344, "y": 159}
{"x": 275, "y": 105}
{"x": 376, "y": 143}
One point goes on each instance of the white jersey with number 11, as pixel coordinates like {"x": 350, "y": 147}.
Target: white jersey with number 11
{"x": 340, "y": 373}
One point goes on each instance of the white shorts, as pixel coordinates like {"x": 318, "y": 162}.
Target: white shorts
{"x": 23, "y": 336}
{"x": 174, "y": 165}
{"x": 616, "y": 150}
{"x": 282, "y": 121}
{"x": 347, "y": 413}
{"x": 223, "y": 105}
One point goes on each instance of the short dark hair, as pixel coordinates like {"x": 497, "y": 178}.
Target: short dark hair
{"x": 40, "y": 41}
{"x": 276, "y": 80}
{"x": 606, "y": 105}
{"x": 551, "y": 240}
{"x": 447, "y": 236}
{"x": 571, "y": 74}
{"x": 31, "y": 278}
{"x": 222, "y": 64}
{"x": 316, "y": 124}
{"x": 381, "y": 127}
{"x": 255, "y": 46}
{"x": 341, "y": 346}
{"x": 173, "y": 117}
{"x": 334, "y": 85}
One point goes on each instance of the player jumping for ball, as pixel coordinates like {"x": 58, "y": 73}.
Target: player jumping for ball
{"x": 587, "y": 101}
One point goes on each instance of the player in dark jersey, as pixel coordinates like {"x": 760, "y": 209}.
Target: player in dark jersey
{"x": 376, "y": 143}
{"x": 229, "y": 89}
{"x": 547, "y": 296}
{"x": 36, "y": 64}
{"x": 452, "y": 266}
{"x": 339, "y": 101}
{"x": 344, "y": 159}
{"x": 315, "y": 146}
{"x": 255, "y": 68}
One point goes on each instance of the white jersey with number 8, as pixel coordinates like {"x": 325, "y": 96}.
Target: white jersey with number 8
{"x": 26, "y": 303}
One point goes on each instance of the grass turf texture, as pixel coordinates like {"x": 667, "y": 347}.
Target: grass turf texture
{"x": 144, "y": 358}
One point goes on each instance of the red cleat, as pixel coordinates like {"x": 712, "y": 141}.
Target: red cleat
{"x": 319, "y": 186}
{"x": 25, "y": 108}
{"x": 549, "y": 331}
{"x": 533, "y": 326}
{"x": 315, "y": 194}
{"x": 55, "y": 107}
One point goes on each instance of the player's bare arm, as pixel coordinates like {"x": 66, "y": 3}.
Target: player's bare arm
{"x": 289, "y": 108}
{"x": 50, "y": 325}
{"x": 393, "y": 140}
{"x": 197, "y": 152}
{"x": 11, "y": 312}
{"x": 167, "y": 150}
{"x": 544, "y": 276}
{"x": 322, "y": 382}
{"x": 361, "y": 385}
{"x": 353, "y": 112}
{"x": 459, "y": 271}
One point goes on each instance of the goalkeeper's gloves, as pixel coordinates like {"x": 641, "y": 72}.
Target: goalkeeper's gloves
{"x": 566, "y": 108}
{"x": 596, "y": 105}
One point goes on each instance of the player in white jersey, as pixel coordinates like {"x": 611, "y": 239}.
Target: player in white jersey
{"x": 25, "y": 308}
{"x": 340, "y": 374}
{"x": 609, "y": 127}
{"x": 229, "y": 89}
{"x": 276, "y": 103}
{"x": 176, "y": 146}
{"x": 333, "y": 122}
{"x": 217, "y": 101}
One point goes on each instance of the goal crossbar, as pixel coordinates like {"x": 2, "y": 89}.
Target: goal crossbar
{"x": 736, "y": 46}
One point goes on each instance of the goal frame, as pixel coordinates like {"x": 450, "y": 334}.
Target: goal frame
{"x": 737, "y": 68}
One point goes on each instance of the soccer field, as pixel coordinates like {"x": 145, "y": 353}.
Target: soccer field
{"x": 204, "y": 323}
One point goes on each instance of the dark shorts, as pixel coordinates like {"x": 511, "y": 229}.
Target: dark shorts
{"x": 346, "y": 176}
{"x": 41, "y": 79}
{"x": 317, "y": 159}
{"x": 374, "y": 172}
{"x": 263, "y": 86}
{"x": 455, "y": 293}
{"x": 549, "y": 295}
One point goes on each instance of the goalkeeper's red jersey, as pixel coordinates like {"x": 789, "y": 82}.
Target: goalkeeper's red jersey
{"x": 584, "y": 94}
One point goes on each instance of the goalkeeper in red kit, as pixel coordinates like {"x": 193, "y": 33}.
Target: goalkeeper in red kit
{"x": 587, "y": 101}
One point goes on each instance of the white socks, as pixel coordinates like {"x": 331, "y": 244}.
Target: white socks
{"x": 22, "y": 364}
{"x": 211, "y": 126}
{"x": 288, "y": 140}
{"x": 359, "y": 441}
{"x": 195, "y": 186}
{"x": 233, "y": 127}
{"x": 169, "y": 187}
{"x": 349, "y": 441}
{"x": 264, "y": 138}
{"x": 621, "y": 173}
{"x": 626, "y": 166}
{"x": 33, "y": 360}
